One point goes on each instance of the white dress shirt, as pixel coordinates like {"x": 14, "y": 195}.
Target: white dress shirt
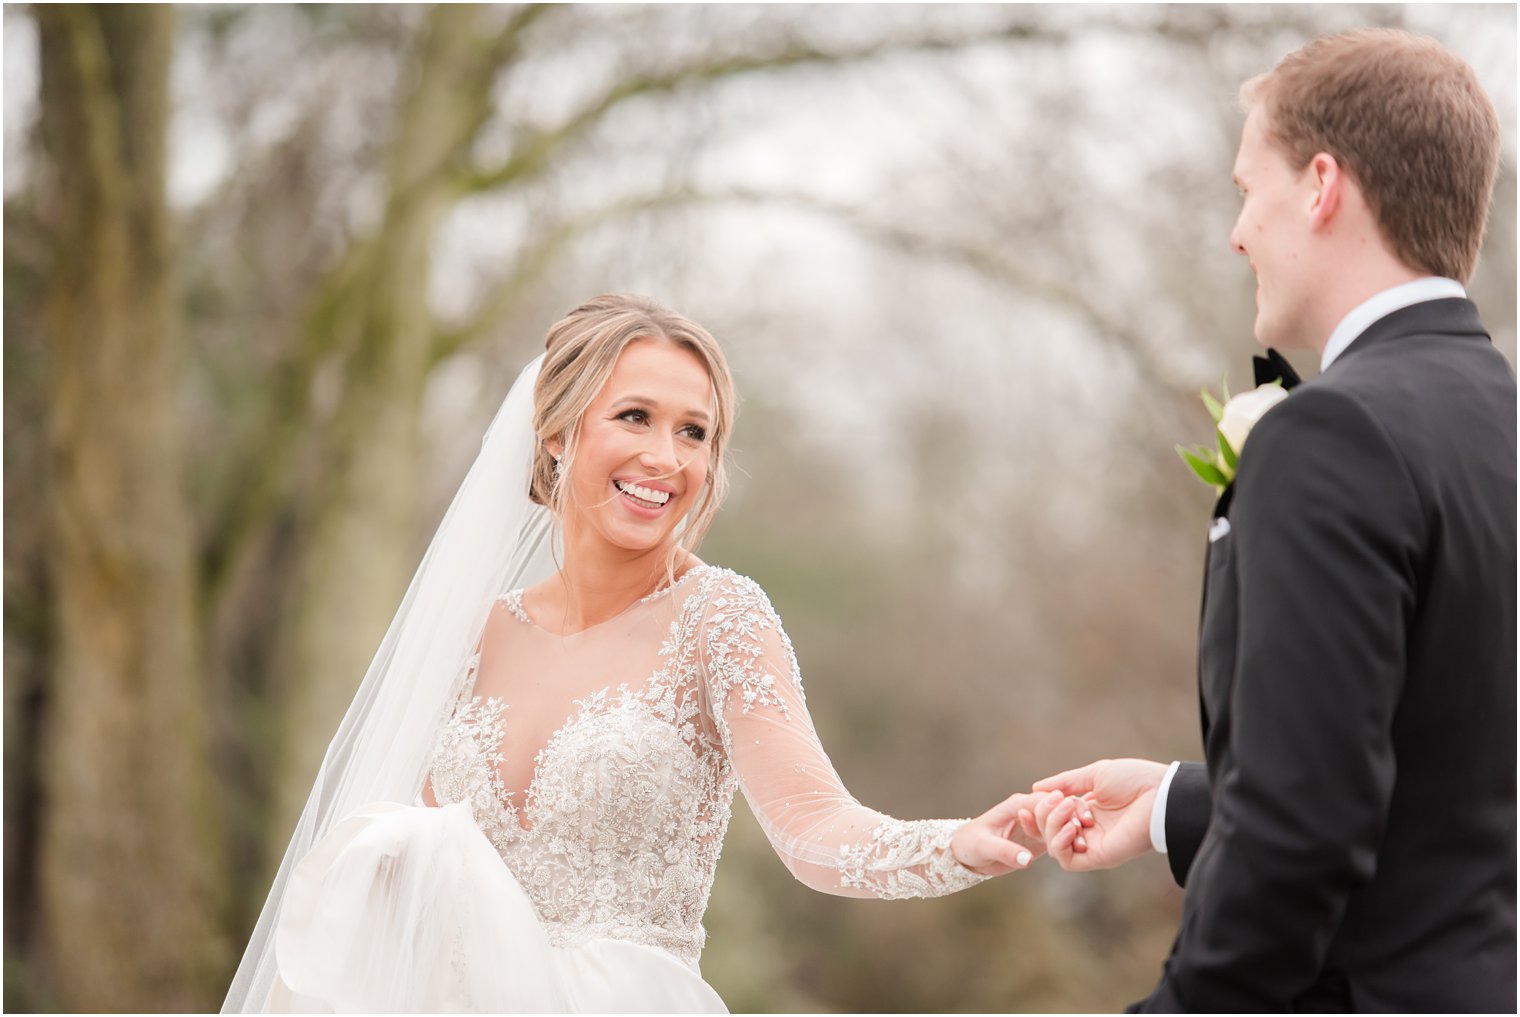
{"x": 1380, "y": 305}
{"x": 1374, "y": 308}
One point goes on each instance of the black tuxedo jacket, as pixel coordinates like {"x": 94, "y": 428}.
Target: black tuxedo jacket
{"x": 1351, "y": 844}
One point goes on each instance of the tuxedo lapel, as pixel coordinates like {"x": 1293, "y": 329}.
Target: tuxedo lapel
{"x": 1222, "y": 505}
{"x": 1217, "y": 633}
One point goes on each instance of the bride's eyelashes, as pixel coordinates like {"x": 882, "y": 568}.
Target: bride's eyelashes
{"x": 695, "y": 432}
{"x": 633, "y": 416}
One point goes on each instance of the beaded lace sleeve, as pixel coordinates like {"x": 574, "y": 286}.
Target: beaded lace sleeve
{"x": 826, "y": 838}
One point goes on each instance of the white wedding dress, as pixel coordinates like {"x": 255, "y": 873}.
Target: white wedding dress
{"x": 584, "y": 784}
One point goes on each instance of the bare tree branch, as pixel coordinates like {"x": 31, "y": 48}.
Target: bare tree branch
{"x": 508, "y": 42}
{"x": 990, "y": 263}
{"x": 269, "y": 471}
{"x": 541, "y": 256}
{"x": 537, "y": 148}
{"x": 329, "y": 328}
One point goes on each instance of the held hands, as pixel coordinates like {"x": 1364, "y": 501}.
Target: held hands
{"x": 1117, "y": 794}
{"x": 999, "y": 841}
{"x": 1094, "y": 817}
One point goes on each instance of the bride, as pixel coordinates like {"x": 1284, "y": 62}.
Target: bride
{"x": 524, "y": 806}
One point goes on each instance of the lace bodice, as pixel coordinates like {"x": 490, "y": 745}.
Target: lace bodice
{"x": 612, "y": 817}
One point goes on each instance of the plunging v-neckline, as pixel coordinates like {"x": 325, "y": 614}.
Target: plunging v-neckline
{"x": 517, "y": 802}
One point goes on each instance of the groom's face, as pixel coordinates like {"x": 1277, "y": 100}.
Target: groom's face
{"x": 1272, "y": 232}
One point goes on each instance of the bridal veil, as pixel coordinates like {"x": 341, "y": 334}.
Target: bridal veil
{"x": 492, "y": 538}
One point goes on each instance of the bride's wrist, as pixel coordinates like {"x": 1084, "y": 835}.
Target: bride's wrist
{"x": 956, "y": 848}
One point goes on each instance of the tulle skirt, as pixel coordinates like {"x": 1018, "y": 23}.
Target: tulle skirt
{"x": 409, "y": 909}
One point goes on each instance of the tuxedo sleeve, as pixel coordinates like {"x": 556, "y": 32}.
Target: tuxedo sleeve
{"x": 1326, "y": 530}
{"x": 1187, "y": 818}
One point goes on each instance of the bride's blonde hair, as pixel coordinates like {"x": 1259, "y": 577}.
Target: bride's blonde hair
{"x": 582, "y": 349}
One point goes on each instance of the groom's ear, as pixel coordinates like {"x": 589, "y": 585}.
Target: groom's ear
{"x": 1329, "y": 183}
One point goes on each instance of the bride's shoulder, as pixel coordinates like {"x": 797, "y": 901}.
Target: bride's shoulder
{"x": 722, "y": 591}
{"x": 511, "y": 603}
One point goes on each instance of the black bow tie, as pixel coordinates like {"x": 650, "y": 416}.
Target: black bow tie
{"x": 1273, "y": 367}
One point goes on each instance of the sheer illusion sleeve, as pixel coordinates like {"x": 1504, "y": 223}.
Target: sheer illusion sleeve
{"x": 826, "y": 838}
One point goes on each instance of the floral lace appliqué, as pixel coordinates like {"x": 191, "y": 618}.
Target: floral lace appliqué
{"x": 906, "y": 859}
{"x": 734, "y": 641}
{"x": 467, "y": 767}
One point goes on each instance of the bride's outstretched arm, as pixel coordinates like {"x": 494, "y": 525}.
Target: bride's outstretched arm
{"x": 828, "y": 839}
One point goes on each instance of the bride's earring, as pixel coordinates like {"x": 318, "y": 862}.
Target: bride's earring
{"x": 559, "y": 466}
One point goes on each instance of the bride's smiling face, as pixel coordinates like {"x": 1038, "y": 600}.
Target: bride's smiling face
{"x": 643, "y": 451}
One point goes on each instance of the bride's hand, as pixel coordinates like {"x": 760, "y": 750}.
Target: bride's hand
{"x": 996, "y": 841}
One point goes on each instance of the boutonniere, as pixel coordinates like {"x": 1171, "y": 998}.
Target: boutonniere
{"x": 1233, "y": 419}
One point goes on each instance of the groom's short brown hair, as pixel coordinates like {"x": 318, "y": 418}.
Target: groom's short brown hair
{"x": 1408, "y": 121}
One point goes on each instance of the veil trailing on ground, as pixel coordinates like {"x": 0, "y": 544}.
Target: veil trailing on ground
{"x": 493, "y": 538}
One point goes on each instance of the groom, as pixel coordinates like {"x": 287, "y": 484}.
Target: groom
{"x": 1350, "y": 844}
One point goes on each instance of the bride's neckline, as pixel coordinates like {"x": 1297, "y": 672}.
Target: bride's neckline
{"x": 514, "y": 602}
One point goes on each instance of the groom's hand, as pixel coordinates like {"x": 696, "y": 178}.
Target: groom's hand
{"x": 1119, "y": 793}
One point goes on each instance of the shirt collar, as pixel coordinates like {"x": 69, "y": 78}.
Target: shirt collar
{"x": 1380, "y": 305}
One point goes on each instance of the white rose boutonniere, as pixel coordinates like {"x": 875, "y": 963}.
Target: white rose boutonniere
{"x": 1233, "y": 421}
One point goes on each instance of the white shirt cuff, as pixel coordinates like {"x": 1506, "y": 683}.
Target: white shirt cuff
{"x": 1158, "y": 810}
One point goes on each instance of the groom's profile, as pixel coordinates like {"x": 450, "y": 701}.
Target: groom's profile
{"x": 1350, "y": 842}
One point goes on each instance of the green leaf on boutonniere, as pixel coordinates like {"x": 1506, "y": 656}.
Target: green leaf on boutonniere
{"x": 1215, "y": 408}
{"x": 1224, "y": 388}
{"x": 1226, "y": 454}
{"x": 1207, "y": 471}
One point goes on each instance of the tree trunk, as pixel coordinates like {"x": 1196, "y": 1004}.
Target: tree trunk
{"x": 131, "y": 863}
{"x": 362, "y": 546}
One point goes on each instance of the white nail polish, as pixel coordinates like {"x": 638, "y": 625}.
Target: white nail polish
{"x": 1024, "y": 857}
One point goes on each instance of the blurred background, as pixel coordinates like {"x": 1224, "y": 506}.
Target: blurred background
{"x": 270, "y": 269}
